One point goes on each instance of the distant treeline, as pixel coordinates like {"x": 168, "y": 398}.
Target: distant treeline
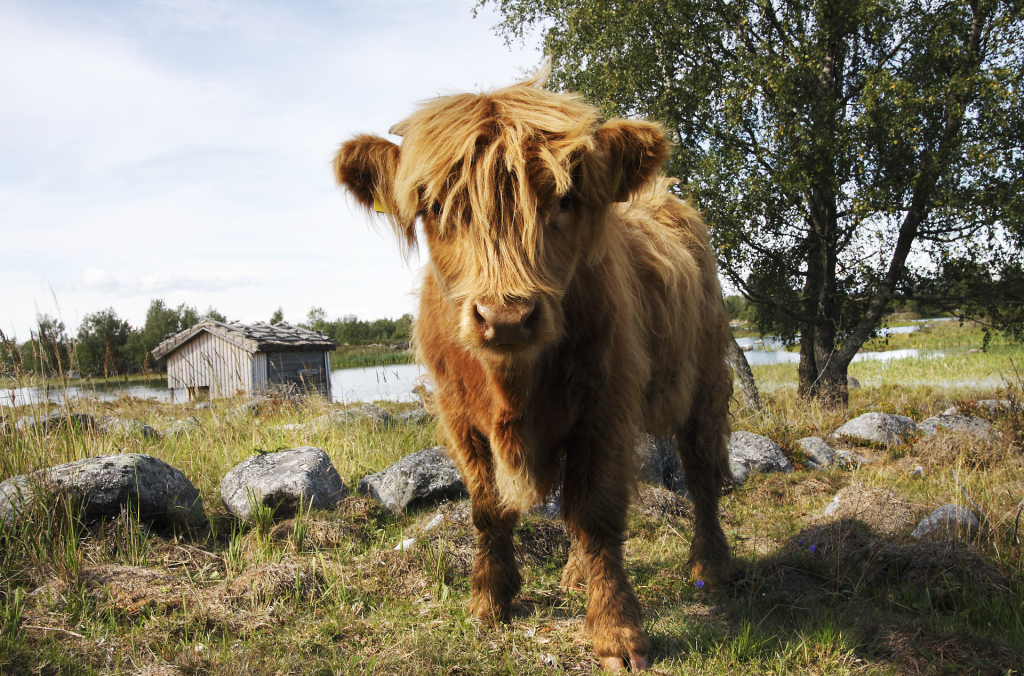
{"x": 106, "y": 345}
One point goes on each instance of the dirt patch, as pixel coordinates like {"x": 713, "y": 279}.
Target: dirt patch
{"x": 275, "y": 581}
{"x": 541, "y": 541}
{"x": 882, "y": 510}
{"x": 320, "y": 533}
{"x": 655, "y": 502}
{"x": 130, "y": 589}
{"x": 915, "y": 650}
{"x": 943, "y": 564}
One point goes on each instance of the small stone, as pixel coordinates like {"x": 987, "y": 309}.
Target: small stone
{"x": 749, "y": 452}
{"x": 405, "y": 544}
{"x": 850, "y": 460}
{"x": 946, "y": 521}
{"x": 820, "y": 454}
{"x": 421, "y": 477}
{"x": 884, "y": 429}
{"x": 852, "y": 383}
{"x": 203, "y": 405}
{"x": 281, "y": 481}
{"x": 918, "y": 471}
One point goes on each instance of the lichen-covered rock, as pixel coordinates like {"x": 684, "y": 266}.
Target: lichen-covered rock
{"x": 946, "y": 521}
{"x": 421, "y": 477}
{"x": 657, "y": 462}
{"x": 819, "y": 454}
{"x": 346, "y": 416}
{"x": 281, "y": 481}
{"x": 960, "y": 424}
{"x": 111, "y": 425}
{"x": 416, "y": 416}
{"x": 106, "y": 485}
{"x": 55, "y": 420}
{"x": 884, "y": 429}
{"x": 188, "y": 426}
{"x": 753, "y": 452}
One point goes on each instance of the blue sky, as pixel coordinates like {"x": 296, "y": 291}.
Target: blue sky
{"x": 180, "y": 149}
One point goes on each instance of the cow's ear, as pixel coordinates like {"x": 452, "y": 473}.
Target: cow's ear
{"x": 366, "y": 167}
{"x": 635, "y": 152}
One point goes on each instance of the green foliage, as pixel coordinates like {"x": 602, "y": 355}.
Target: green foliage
{"x": 277, "y": 317}
{"x": 102, "y": 342}
{"x": 351, "y": 331}
{"x": 843, "y": 153}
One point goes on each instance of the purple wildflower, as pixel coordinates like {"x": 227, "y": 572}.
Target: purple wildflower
{"x": 700, "y": 584}
{"x": 811, "y": 549}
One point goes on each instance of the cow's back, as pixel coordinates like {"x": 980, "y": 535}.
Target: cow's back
{"x": 684, "y": 324}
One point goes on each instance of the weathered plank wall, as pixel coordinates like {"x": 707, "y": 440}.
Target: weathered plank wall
{"x": 307, "y": 371}
{"x": 210, "y": 361}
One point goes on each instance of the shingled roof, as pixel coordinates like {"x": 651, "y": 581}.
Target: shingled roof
{"x": 251, "y": 337}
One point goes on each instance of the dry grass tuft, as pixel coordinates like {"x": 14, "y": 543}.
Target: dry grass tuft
{"x": 274, "y": 582}
{"x": 880, "y": 509}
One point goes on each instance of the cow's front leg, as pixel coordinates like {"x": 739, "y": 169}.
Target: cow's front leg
{"x": 496, "y": 579}
{"x": 595, "y": 498}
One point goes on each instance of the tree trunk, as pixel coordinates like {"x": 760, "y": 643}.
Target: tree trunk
{"x": 745, "y": 375}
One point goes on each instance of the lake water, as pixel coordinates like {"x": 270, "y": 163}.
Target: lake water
{"x": 393, "y": 383}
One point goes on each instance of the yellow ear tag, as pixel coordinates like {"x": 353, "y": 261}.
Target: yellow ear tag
{"x": 378, "y": 204}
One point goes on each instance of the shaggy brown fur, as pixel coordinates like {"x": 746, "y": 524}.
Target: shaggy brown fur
{"x": 556, "y": 324}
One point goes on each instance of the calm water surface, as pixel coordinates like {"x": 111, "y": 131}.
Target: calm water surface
{"x": 393, "y": 383}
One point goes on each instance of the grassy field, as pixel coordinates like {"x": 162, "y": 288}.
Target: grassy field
{"x": 326, "y": 592}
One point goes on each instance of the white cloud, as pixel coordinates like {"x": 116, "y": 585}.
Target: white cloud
{"x": 181, "y": 148}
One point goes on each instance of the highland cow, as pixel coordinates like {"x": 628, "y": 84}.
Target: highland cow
{"x": 570, "y": 302}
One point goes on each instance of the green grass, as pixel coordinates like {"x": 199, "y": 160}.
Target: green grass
{"x": 325, "y": 592}
{"x": 353, "y": 356}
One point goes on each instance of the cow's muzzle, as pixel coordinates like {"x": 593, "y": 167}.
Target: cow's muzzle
{"x": 512, "y": 323}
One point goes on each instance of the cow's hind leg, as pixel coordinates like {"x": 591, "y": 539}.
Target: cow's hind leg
{"x": 595, "y": 497}
{"x": 496, "y": 579}
{"x": 702, "y": 442}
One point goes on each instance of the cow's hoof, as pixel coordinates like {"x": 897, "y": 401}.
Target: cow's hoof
{"x": 636, "y": 662}
{"x": 488, "y": 613}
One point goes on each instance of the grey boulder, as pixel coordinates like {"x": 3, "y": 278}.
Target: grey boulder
{"x": 752, "y": 452}
{"x": 416, "y": 416}
{"x": 852, "y": 383}
{"x": 106, "y": 485}
{"x": 946, "y": 521}
{"x": 421, "y": 477}
{"x": 346, "y": 416}
{"x": 961, "y": 424}
{"x": 111, "y": 425}
{"x": 884, "y": 429}
{"x": 991, "y": 405}
{"x": 55, "y": 420}
{"x": 281, "y": 481}
{"x": 657, "y": 462}
{"x": 819, "y": 454}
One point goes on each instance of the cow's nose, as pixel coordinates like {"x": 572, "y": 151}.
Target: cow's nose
{"x": 506, "y": 323}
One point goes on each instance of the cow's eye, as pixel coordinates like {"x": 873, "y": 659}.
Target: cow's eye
{"x": 566, "y": 201}
{"x": 436, "y": 207}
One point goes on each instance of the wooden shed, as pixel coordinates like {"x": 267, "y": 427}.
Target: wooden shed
{"x": 214, "y": 359}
